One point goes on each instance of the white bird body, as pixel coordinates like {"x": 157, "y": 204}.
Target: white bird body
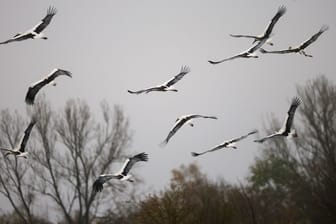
{"x": 122, "y": 175}
{"x": 185, "y": 119}
{"x": 227, "y": 144}
{"x": 286, "y": 130}
{"x": 39, "y": 35}
{"x": 167, "y": 86}
{"x": 36, "y": 31}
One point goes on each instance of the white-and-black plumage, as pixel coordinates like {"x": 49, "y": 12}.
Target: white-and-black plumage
{"x": 299, "y": 49}
{"x": 186, "y": 119}
{"x": 122, "y": 174}
{"x": 167, "y": 86}
{"x": 227, "y": 144}
{"x": 249, "y": 53}
{"x": 286, "y": 129}
{"x": 36, "y": 31}
{"x": 268, "y": 31}
{"x": 33, "y": 89}
{"x": 19, "y": 151}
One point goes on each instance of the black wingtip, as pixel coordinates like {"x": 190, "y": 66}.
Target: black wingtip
{"x": 262, "y": 50}
{"x": 29, "y": 101}
{"x": 195, "y": 154}
{"x": 258, "y": 141}
{"x": 185, "y": 69}
{"x": 324, "y": 28}
{"x": 282, "y": 10}
{"x": 51, "y": 10}
{"x": 253, "y": 132}
{"x": 97, "y": 186}
{"x": 296, "y": 101}
{"x": 142, "y": 156}
{"x": 213, "y": 62}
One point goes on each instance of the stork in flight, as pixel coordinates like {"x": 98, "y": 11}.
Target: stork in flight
{"x": 186, "y": 119}
{"x": 227, "y": 144}
{"x": 167, "y": 86}
{"x": 286, "y": 129}
{"x": 268, "y": 31}
{"x": 36, "y": 31}
{"x": 19, "y": 151}
{"x": 249, "y": 53}
{"x": 299, "y": 49}
{"x": 122, "y": 174}
{"x": 35, "y": 88}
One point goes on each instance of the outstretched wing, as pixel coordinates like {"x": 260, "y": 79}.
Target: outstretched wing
{"x": 286, "y": 128}
{"x": 131, "y": 161}
{"x": 18, "y": 37}
{"x": 194, "y": 154}
{"x": 242, "y": 137}
{"x": 192, "y": 116}
{"x": 8, "y": 41}
{"x": 179, "y": 123}
{"x": 26, "y": 135}
{"x": 35, "y": 88}
{"x": 7, "y": 150}
{"x": 157, "y": 88}
{"x": 245, "y": 54}
{"x": 224, "y": 144}
{"x": 287, "y": 51}
{"x": 99, "y": 182}
{"x": 184, "y": 70}
{"x": 269, "y": 28}
{"x": 226, "y": 59}
{"x": 314, "y": 37}
{"x": 267, "y": 137}
{"x": 281, "y": 11}
{"x": 46, "y": 20}
{"x": 239, "y": 35}
{"x": 98, "y": 185}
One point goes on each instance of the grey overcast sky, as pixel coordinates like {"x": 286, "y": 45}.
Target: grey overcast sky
{"x": 111, "y": 46}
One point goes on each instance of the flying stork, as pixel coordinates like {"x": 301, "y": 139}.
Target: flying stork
{"x": 36, "y": 31}
{"x": 299, "y": 49}
{"x": 19, "y": 151}
{"x": 268, "y": 31}
{"x": 286, "y": 129}
{"x": 34, "y": 88}
{"x": 227, "y": 144}
{"x": 185, "y": 119}
{"x": 122, "y": 174}
{"x": 249, "y": 53}
{"x": 167, "y": 86}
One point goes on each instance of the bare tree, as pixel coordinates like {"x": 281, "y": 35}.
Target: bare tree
{"x": 14, "y": 171}
{"x": 68, "y": 150}
{"x": 302, "y": 172}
